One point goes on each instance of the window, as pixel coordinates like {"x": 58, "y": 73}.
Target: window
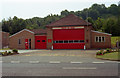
{"x": 19, "y": 41}
{"x": 60, "y": 41}
{"x": 76, "y": 41}
{"x": 71, "y": 41}
{"x": 43, "y": 40}
{"x": 99, "y": 39}
{"x": 81, "y": 41}
{"x": 54, "y": 41}
{"x": 96, "y": 39}
{"x": 103, "y": 39}
{"x": 38, "y": 40}
{"x": 57, "y": 41}
{"x": 65, "y": 41}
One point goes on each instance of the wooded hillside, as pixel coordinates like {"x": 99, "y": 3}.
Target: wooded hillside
{"x": 104, "y": 19}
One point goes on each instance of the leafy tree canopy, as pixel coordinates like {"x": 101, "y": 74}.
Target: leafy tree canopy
{"x": 105, "y": 19}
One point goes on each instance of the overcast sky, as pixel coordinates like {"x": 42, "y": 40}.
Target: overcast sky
{"x": 41, "y": 8}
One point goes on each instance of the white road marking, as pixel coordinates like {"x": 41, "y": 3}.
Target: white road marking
{"x": 111, "y": 61}
{"x": 33, "y": 61}
{"x": 77, "y": 68}
{"x": 54, "y": 62}
{"x": 1, "y": 61}
{"x": 75, "y": 62}
{"x": 15, "y": 61}
{"x": 98, "y": 62}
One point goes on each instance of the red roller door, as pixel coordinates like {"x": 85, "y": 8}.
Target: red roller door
{"x": 40, "y": 42}
{"x": 68, "y": 35}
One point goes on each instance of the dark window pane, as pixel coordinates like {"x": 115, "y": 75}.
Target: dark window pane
{"x": 71, "y": 41}
{"x": 99, "y": 39}
{"x": 96, "y": 39}
{"x": 60, "y": 41}
{"x": 43, "y": 40}
{"x": 103, "y": 39}
{"x": 38, "y": 40}
{"x": 76, "y": 41}
{"x": 81, "y": 41}
{"x": 19, "y": 41}
{"x": 56, "y": 41}
{"x": 65, "y": 41}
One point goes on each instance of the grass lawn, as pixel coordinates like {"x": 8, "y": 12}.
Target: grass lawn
{"x": 111, "y": 56}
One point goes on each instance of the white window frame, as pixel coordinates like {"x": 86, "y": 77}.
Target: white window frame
{"x": 97, "y": 37}
{"x": 104, "y": 39}
{"x": 101, "y": 38}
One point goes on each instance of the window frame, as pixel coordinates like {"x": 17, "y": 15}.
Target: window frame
{"x": 102, "y": 38}
{"x": 99, "y": 38}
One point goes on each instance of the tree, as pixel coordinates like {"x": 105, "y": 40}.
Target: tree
{"x": 113, "y": 9}
{"x": 98, "y": 24}
{"x": 64, "y": 13}
{"x": 106, "y": 19}
{"x": 110, "y": 25}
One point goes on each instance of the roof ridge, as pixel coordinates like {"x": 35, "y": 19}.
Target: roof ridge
{"x": 69, "y": 20}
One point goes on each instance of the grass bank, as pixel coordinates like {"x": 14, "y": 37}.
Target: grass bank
{"x": 110, "y": 56}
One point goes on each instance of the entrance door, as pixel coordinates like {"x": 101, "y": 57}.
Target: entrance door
{"x": 40, "y": 42}
{"x": 29, "y": 43}
{"x": 26, "y": 43}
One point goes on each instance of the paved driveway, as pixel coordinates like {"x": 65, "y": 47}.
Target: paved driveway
{"x": 55, "y": 55}
{"x": 81, "y": 53}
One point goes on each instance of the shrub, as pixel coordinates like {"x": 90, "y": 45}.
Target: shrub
{"x": 10, "y": 53}
{"x": 100, "y": 52}
{"x": 5, "y": 53}
{"x": 104, "y": 52}
{"x": 108, "y": 50}
{"x": 15, "y": 51}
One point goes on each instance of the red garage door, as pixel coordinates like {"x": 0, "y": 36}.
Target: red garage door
{"x": 68, "y": 39}
{"x": 40, "y": 42}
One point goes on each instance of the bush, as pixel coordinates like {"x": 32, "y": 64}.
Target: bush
{"x": 15, "y": 51}
{"x": 101, "y": 52}
{"x": 5, "y": 53}
{"x": 108, "y": 50}
{"x": 10, "y": 53}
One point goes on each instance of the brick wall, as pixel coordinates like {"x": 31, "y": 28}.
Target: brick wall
{"x": 106, "y": 44}
{"x": 14, "y": 40}
{"x": 4, "y": 39}
{"x": 49, "y": 36}
{"x": 88, "y": 36}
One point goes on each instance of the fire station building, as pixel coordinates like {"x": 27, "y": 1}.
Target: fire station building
{"x": 69, "y": 32}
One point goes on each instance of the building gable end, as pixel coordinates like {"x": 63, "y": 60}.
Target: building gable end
{"x": 22, "y": 31}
